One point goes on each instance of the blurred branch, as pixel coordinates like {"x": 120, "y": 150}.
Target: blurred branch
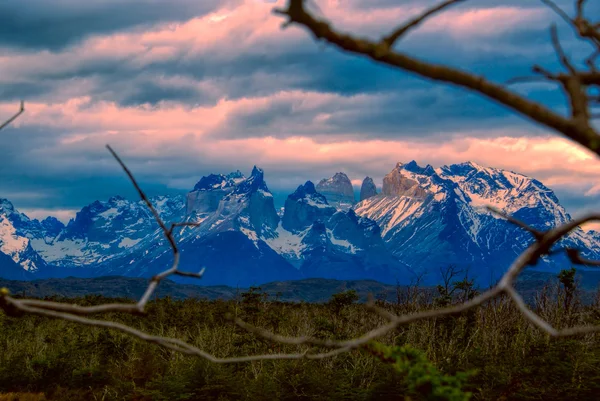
{"x": 577, "y": 127}
{"x": 394, "y": 36}
{"x": 13, "y": 118}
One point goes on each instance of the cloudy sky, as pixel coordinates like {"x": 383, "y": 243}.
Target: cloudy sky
{"x": 183, "y": 88}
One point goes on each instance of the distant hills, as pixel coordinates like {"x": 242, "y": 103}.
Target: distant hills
{"x": 305, "y": 290}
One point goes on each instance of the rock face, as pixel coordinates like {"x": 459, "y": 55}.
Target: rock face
{"x": 261, "y": 213}
{"x": 229, "y": 240}
{"x": 397, "y": 184}
{"x": 338, "y": 191}
{"x": 346, "y": 247}
{"x": 16, "y": 234}
{"x": 304, "y": 207}
{"x": 367, "y": 189}
{"x": 209, "y": 191}
{"x": 324, "y": 242}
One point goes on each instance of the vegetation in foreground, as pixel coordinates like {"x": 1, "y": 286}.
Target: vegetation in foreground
{"x": 488, "y": 353}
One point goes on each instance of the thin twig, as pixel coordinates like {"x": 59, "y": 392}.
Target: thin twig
{"x": 394, "y": 36}
{"x": 13, "y": 118}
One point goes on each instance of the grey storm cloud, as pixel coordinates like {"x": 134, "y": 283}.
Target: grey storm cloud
{"x": 248, "y": 75}
{"x": 305, "y": 66}
{"x": 312, "y": 67}
{"x": 42, "y": 24}
{"x": 415, "y": 112}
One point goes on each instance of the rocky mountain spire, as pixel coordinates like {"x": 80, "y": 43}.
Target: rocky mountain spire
{"x": 397, "y": 184}
{"x": 338, "y": 191}
{"x": 367, "y": 189}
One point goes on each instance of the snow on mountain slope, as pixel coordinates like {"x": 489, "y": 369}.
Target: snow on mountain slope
{"x": 505, "y": 190}
{"x": 235, "y": 215}
{"x": 324, "y": 242}
{"x": 104, "y": 230}
{"x": 423, "y": 219}
{"x": 434, "y": 217}
{"x": 17, "y": 232}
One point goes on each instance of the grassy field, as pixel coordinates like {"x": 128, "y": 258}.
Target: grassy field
{"x": 506, "y": 358}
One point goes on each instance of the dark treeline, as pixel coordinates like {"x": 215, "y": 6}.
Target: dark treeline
{"x": 490, "y": 353}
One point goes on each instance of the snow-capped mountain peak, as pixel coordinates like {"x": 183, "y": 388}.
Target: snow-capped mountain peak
{"x": 16, "y": 233}
{"x": 433, "y": 217}
{"x": 506, "y": 190}
{"x": 256, "y": 182}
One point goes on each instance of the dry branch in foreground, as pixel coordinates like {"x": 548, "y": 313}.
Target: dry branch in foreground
{"x": 577, "y": 126}
{"x": 576, "y": 83}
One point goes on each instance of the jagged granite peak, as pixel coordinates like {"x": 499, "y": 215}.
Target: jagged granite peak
{"x": 229, "y": 239}
{"x": 304, "y": 207}
{"x": 338, "y": 191}
{"x": 242, "y": 204}
{"x": 367, "y": 189}
{"x": 52, "y": 225}
{"x": 252, "y": 201}
{"x": 236, "y": 176}
{"x": 6, "y": 206}
{"x": 307, "y": 190}
{"x": 254, "y": 183}
{"x": 16, "y": 233}
{"x": 208, "y": 192}
{"x": 210, "y": 181}
{"x": 215, "y": 181}
{"x": 398, "y": 183}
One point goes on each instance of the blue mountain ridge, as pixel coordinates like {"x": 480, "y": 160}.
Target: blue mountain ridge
{"x": 424, "y": 219}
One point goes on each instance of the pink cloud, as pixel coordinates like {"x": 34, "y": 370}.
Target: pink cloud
{"x": 484, "y": 22}
{"x": 170, "y": 119}
{"x": 251, "y": 27}
{"x": 144, "y": 131}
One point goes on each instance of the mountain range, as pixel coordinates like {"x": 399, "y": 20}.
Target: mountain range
{"x": 423, "y": 219}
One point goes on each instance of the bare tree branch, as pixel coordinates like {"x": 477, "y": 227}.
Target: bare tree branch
{"x": 576, "y": 258}
{"x": 573, "y": 128}
{"x": 13, "y": 118}
{"x": 559, "y": 11}
{"x": 394, "y": 36}
{"x": 562, "y": 56}
{"x": 536, "y": 233}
